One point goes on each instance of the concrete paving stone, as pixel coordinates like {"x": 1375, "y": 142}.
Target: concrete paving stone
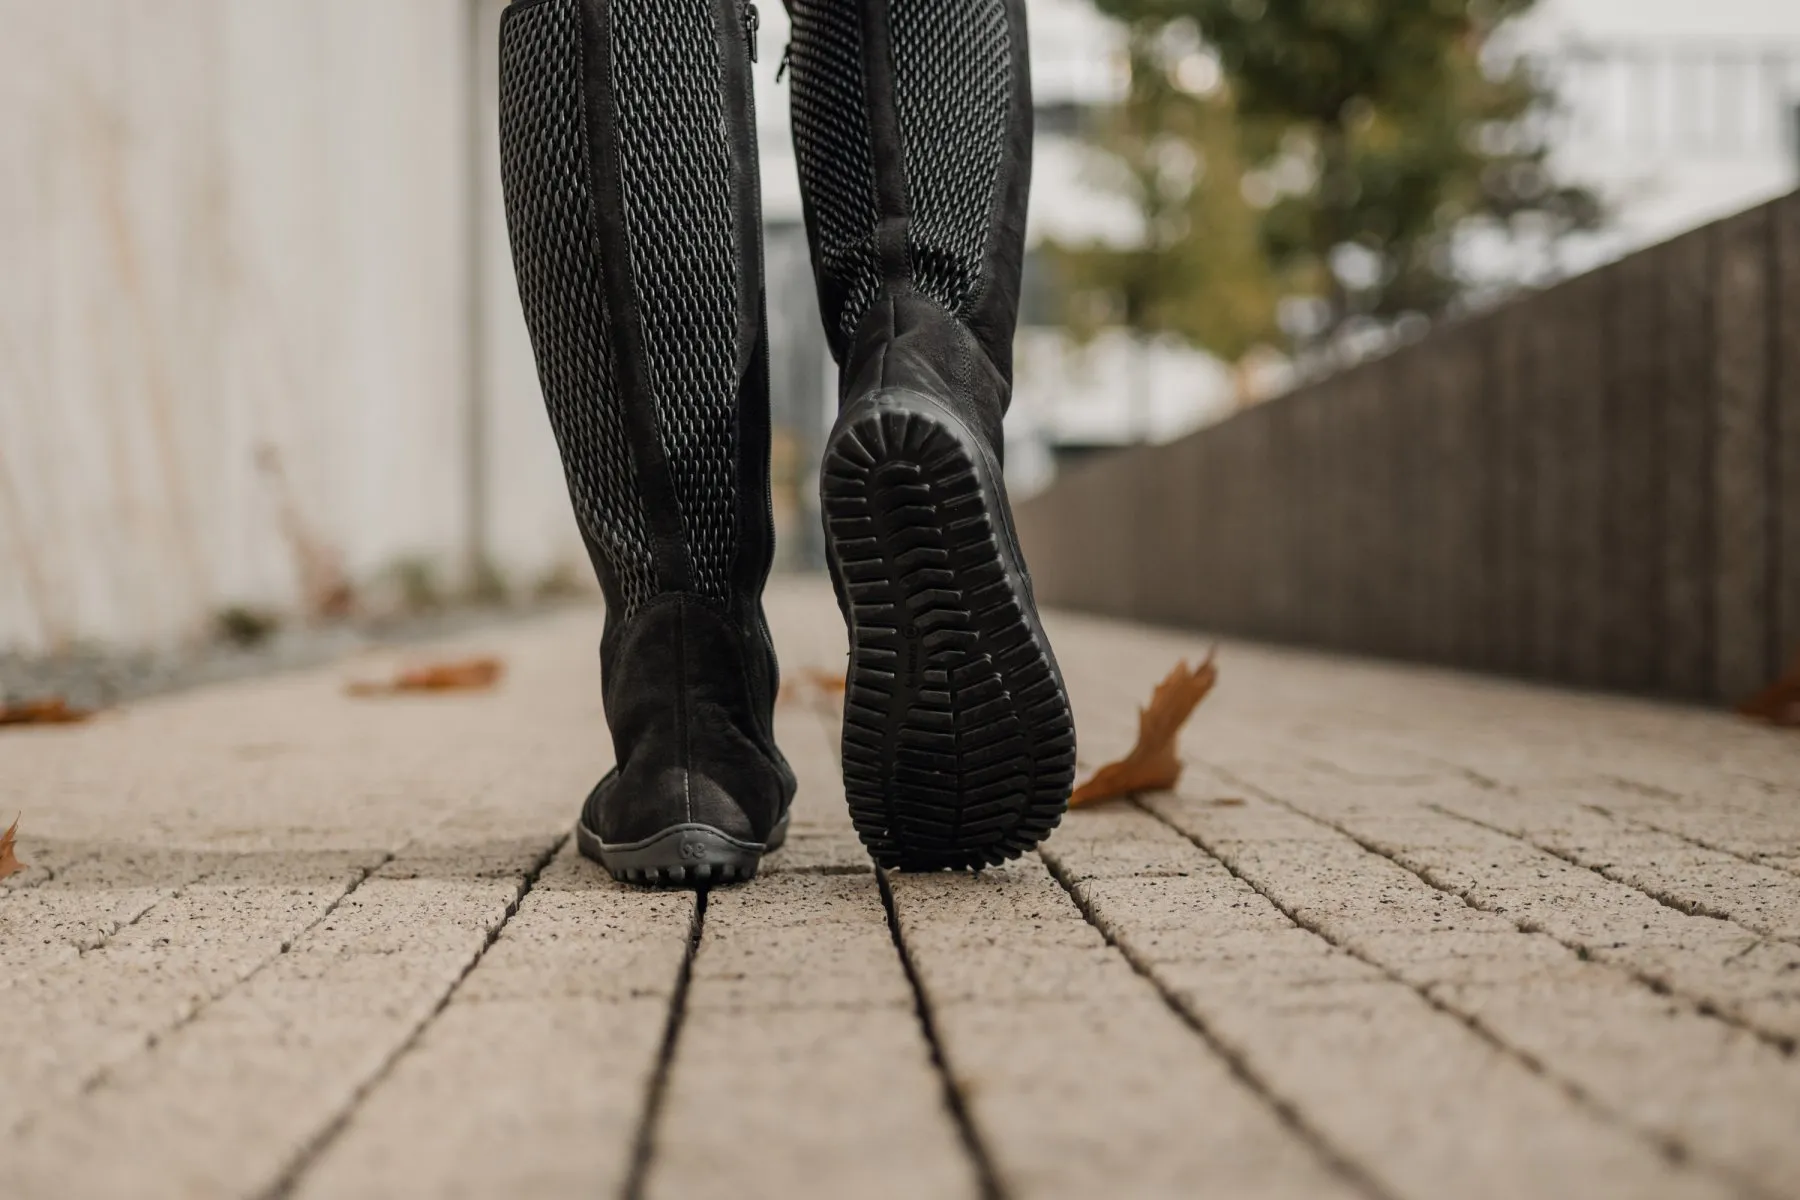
{"x": 782, "y": 969}
{"x": 504, "y": 1097}
{"x": 1119, "y": 1098}
{"x": 778, "y": 1102}
{"x": 1711, "y": 961}
{"x": 1724, "y": 1096}
{"x": 45, "y": 861}
{"x": 269, "y": 1065}
{"x": 88, "y": 903}
{"x": 1303, "y": 1032}
{"x": 1118, "y": 847}
{"x": 1596, "y": 1028}
{"x": 801, "y": 1066}
{"x": 1181, "y": 903}
{"x": 803, "y": 899}
{"x": 548, "y": 1048}
{"x": 581, "y": 936}
{"x": 1015, "y": 904}
{"x": 1422, "y": 958}
{"x": 1447, "y": 1113}
{"x": 1669, "y": 868}
{"x": 1045, "y": 1032}
{"x": 76, "y": 1018}
{"x": 744, "y": 962}
{"x": 1223, "y": 949}
{"x": 819, "y": 851}
{"x": 184, "y": 840}
{"x": 955, "y": 974}
{"x": 835, "y": 1091}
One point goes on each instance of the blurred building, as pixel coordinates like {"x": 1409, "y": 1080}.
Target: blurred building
{"x": 1676, "y": 112}
{"x": 257, "y": 309}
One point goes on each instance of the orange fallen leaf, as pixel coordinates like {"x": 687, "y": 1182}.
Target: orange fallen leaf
{"x": 468, "y": 675}
{"x": 811, "y": 681}
{"x": 1153, "y": 764}
{"x": 54, "y": 711}
{"x": 9, "y": 861}
{"x": 1779, "y": 703}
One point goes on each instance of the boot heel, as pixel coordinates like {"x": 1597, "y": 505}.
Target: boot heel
{"x": 958, "y": 744}
{"x": 690, "y": 855}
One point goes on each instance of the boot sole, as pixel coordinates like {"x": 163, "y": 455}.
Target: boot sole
{"x": 958, "y": 743}
{"x": 690, "y": 855}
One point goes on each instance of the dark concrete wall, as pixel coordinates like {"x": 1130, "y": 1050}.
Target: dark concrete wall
{"x": 1597, "y": 484}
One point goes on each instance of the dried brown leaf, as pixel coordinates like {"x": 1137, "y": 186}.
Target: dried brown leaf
{"x": 9, "y": 859}
{"x": 53, "y": 711}
{"x": 1154, "y": 764}
{"x": 466, "y": 675}
{"x": 1779, "y": 703}
{"x": 811, "y": 683}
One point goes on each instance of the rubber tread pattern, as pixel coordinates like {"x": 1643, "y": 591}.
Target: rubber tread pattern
{"x": 551, "y": 215}
{"x": 958, "y": 742}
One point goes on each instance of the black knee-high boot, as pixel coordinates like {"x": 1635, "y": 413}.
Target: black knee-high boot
{"x": 629, "y": 162}
{"x": 912, "y": 124}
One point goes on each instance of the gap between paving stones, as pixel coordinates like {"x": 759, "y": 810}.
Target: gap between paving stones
{"x": 1686, "y": 907}
{"x": 1288, "y": 1114}
{"x": 1280, "y": 1116}
{"x": 1643, "y": 790}
{"x": 36, "y": 874}
{"x": 290, "y": 1177}
{"x": 101, "y": 1075}
{"x": 82, "y": 950}
{"x": 643, "y": 1143}
{"x": 87, "y": 1043}
{"x": 1706, "y": 1006}
{"x": 1643, "y": 822}
{"x": 1312, "y": 1017}
{"x": 987, "y": 1177}
{"x": 1601, "y": 782}
{"x": 1672, "y": 1150}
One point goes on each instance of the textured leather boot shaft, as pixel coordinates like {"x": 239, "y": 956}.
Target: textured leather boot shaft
{"x": 630, "y": 173}
{"x": 912, "y": 129}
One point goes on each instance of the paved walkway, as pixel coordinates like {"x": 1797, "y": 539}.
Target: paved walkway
{"x": 1400, "y": 934}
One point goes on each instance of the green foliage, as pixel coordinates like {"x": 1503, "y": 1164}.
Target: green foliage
{"x": 1364, "y": 137}
{"x": 1198, "y": 272}
{"x": 246, "y": 626}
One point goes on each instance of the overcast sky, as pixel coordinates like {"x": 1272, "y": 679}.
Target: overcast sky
{"x": 1724, "y": 19}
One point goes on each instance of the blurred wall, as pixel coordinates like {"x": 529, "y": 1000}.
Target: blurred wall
{"x": 227, "y": 226}
{"x": 1596, "y": 484}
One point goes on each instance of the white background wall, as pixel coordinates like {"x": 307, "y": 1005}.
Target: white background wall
{"x": 225, "y": 225}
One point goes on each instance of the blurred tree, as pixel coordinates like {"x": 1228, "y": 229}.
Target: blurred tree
{"x": 1195, "y": 269}
{"x": 1362, "y": 139}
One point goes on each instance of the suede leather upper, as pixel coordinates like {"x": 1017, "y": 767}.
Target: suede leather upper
{"x": 688, "y": 674}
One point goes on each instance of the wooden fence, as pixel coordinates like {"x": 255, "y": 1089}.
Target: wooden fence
{"x": 1597, "y": 484}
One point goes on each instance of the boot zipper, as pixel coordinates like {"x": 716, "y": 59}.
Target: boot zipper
{"x": 787, "y": 60}
{"x": 752, "y": 22}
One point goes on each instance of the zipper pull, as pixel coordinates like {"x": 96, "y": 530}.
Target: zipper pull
{"x": 752, "y": 22}
{"x": 787, "y": 60}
